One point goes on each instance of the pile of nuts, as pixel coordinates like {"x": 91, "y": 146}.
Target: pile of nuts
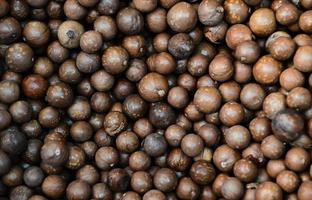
{"x": 155, "y": 99}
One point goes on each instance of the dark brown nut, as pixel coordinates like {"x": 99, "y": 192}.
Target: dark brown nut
{"x": 108, "y": 7}
{"x": 5, "y": 163}
{"x": 107, "y": 26}
{"x": 181, "y": 45}
{"x": 221, "y": 68}
{"x": 207, "y": 99}
{"x": 157, "y": 20}
{"x": 160, "y": 42}
{"x": 267, "y": 70}
{"x": 78, "y": 189}
{"x": 21, "y": 192}
{"x": 197, "y": 35}
{"x": 302, "y": 59}
{"x": 291, "y": 78}
{"x": 288, "y": 181}
{"x": 91, "y": 41}
{"x": 127, "y": 142}
{"x": 134, "y": 106}
{"x": 178, "y": 161}
{"x": 202, "y": 172}
{"x": 36, "y": 33}
{"x": 304, "y": 190}
{"x": 34, "y": 86}
{"x": 307, "y": 4}
{"x": 76, "y": 158}
{"x": 165, "y": 179}
{"x": 14, "y": 177}
{"x": 130, "y": 21}
{"x": 10, "y": 29}
{"x": 245, "y": 170}
{"x": 145, "y": 6}
{"x": 13, "y": 141}
{"x": 272, "y": 148}
{"x": 9, "y": 91}
{"x": 252, "y": 96}
{"x": 182, "y": 17}
{"x": 276, "y": 4}
{"x": 197, "y": 65}
{"x": 237, "y": 137}
{"x": 135, "y": 45}
{"x": 20, "y": 111}
{"x": 225, "y": 157}
{"x": 247, "y": 52}
{"x": 60, "y": 95}
{"x": 262, "y": 22}
{"x": 230, "y": 91}
{"x": 287, "y": 14}
{"x": 49, "y": 117}
{"x": 57, "y": 53}
{"x": 155, "y": 144}
{"x": 139, "y": 161}
{"x": 19, "y": 57}
{"x": 232, "y": 188}
{"x": 69, "y": 73}
{"x": 118, "y": 180}
{"x": 305, "y": 22}
{"x": 86, "y": 63}
{"x": 294, "y": 155}
{"x": 269, "y": 190}
{"x": 216, "y": 34}
{"x": 260, "y": 127}
{"x": 242, "y": 72}
{"x": 153, "y": 87}
{"x": 210, "y": 134}
{"x": 101, "y": 190}
{"x": 106, "y": 158}
{"x": 288, "y": 125}
{"x": 154, "y": 194}
{"x": 19, "y": 9}
{"x": 161, "y": 115}
{"x": 274, "y": 167}
{"x": 218, "y": 182}
{"x": 162, "y": 63}
{"x": 115, "y": 122}
{"x": 141, "y": 182}
{"x": 210, "y": 13}
{"x": 54, "y": 153}
{"x": 102, "y": 81}
{"x": 299, "y": 98}
{"x": 54, "y": 186}
{"x": 237, "y": 34}
{"x": 33, "y": 176}
{"x": 187, "y": 189}
{"x": 231, "y": 113}
{"x": 178, "y": 97}
{"x": 69, "y": 34}
{"x": 282, "y": 48}
{"x": 187, "y": 81}
{"x": 192, "y": 145}
{"x": 278, "y": 100}
{"x": 236, "y": 11}
{"x": 115, "y": 60}
{"x": 303, "y": 40}
{"x": 73, "y": 10}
